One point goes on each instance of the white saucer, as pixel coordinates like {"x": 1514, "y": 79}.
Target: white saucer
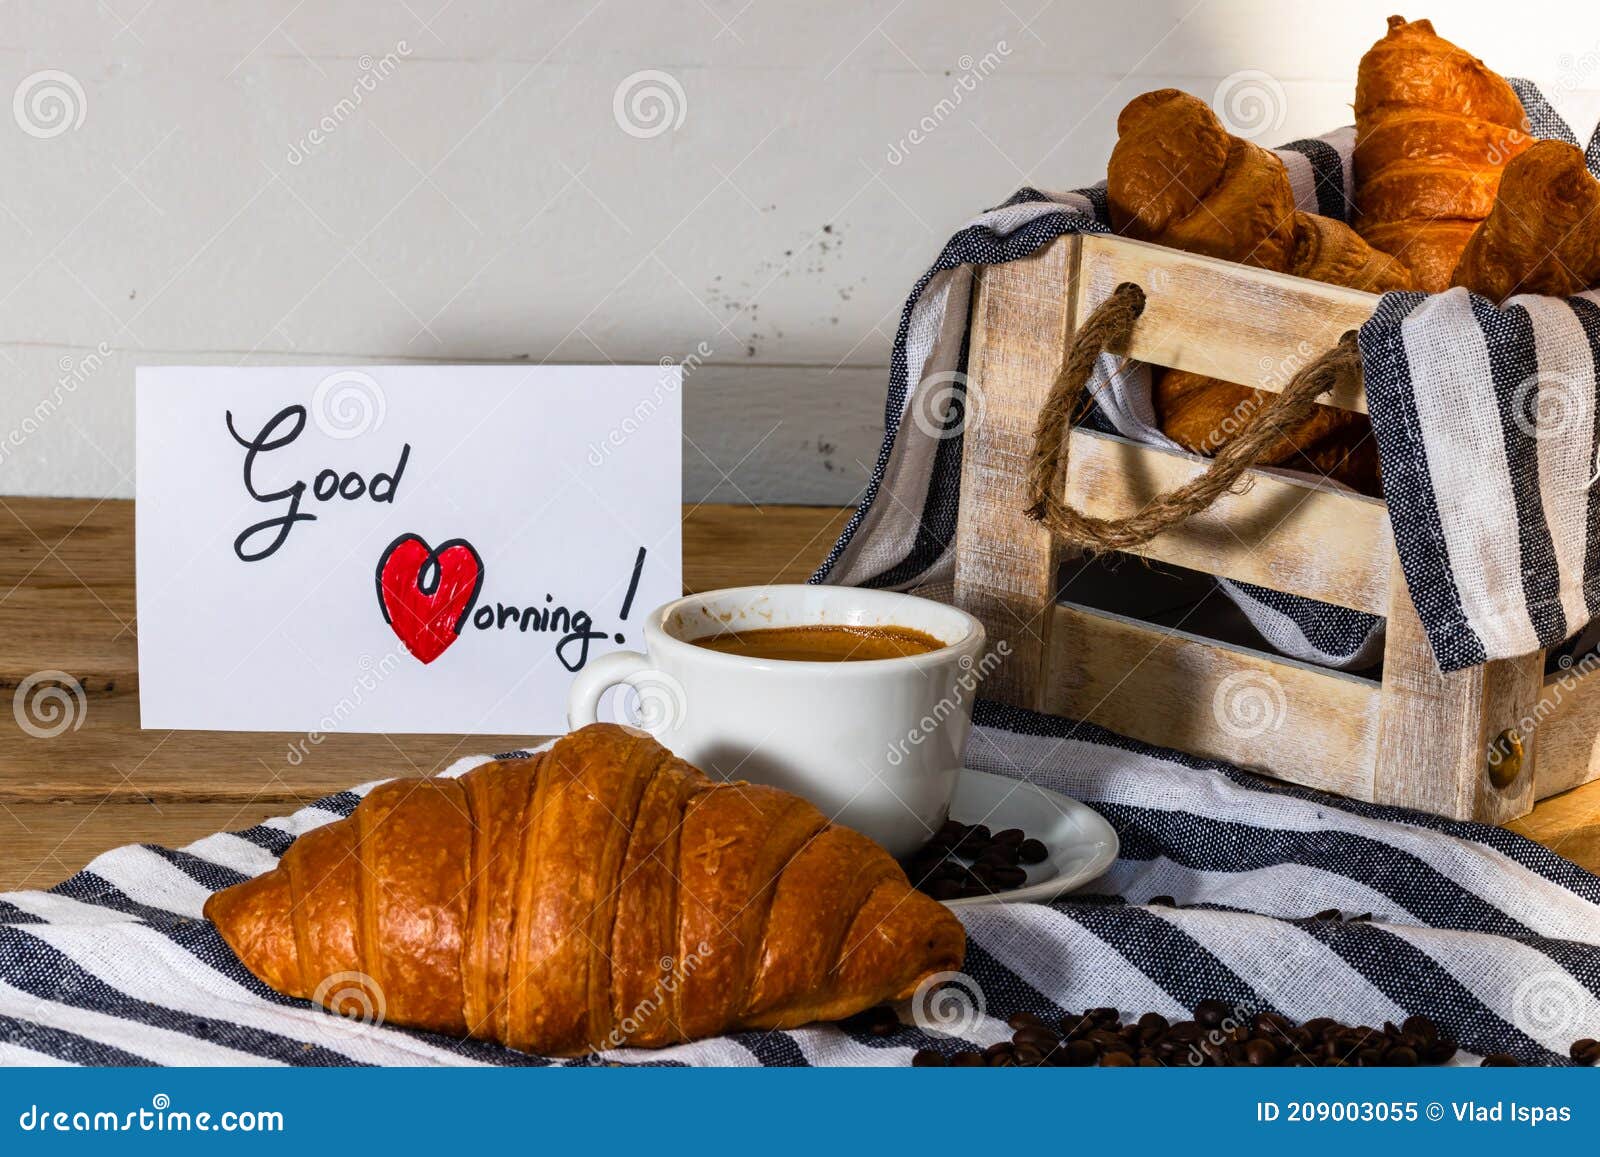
{"x": 1082, "y": 844}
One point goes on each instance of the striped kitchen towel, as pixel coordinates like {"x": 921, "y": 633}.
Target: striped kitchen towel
{"x": 1495, "y": 938}
{"x": 1485, "y": 422}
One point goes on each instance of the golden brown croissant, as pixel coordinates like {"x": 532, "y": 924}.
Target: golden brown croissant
{"x": 1330, "y": 251}
{"x": 1177, "y": 177}
{"x": 600, "y": 894}
{"x": 1434, "y": 130}
{"x": 1543, "y": 235}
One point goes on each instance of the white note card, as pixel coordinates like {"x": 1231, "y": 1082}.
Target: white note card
{"x": 397, "y": 548}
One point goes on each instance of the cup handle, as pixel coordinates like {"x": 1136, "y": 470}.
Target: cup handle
{"x": 596, "y": 678}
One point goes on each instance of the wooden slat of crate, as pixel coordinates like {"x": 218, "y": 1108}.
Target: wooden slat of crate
{"x": 1170, "y": 688}
{"x": 1285, "y": 535}
{"x": 1221, "y": 319}
{"x": 1566, "y": 721}
{"x": 1006, "y": 572}
{"x": 1435, "y": 728}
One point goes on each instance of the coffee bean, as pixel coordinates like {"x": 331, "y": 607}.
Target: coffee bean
{"x": 1032, "y": 851}
{"x": 1327, "y": 914}
{"x": 1585, "y": 1051}
{"x": 940, "y": 859}
{"x": 1420, "y": 1026}
{"x": 1185, "y": 1032}
{"x": 1081, "y": 1053}
{"x": 1272, "y": 1024}
{"x": 1260, "y": 1052}
{"x": 1075, "y": 1025}
{"x": 1038, "y": 1036}
{"x": 1161, "y": 902}
{"x": 928, "y": 1059}
{"x": 1001, "y": 855}
{"x": 1441, "y": 1052}
{"x": 1500, "y": 1061}
{"x": 1152, "y": 1025}
{"x": 1219, "y": 1037}
{"x": 880, "y": 1020}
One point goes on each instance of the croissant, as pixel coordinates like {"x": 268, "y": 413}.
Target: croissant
{"x": 1434, "y": 130}
{"x": 1177, "y": 177}
{"x": 603, "y": 893}
{"x": 1543, "y": 235}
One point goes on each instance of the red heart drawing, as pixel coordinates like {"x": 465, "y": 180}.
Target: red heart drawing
{"x": 427, "y": 594}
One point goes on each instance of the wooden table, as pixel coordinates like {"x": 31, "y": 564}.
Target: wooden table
{"x": 67, "y": 604}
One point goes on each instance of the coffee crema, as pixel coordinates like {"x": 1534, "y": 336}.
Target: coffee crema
{"x": 823, "y": 643}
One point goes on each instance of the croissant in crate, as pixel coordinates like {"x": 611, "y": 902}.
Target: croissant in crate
{"x": 600, "y": 894}
{"x": 1177, "y": 177}
{"x": 1543, "y": 235}
{"x": 1434, "y": 130}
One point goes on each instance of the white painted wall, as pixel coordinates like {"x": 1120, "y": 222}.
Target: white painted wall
{"x": 482, "y": 201}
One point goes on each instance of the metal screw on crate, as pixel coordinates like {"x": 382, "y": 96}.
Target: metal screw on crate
{"x": 1109, "y": 328}
{"x": 1504, "y": 760}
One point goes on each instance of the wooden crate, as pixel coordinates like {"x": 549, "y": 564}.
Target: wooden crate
{"x": 1422, "y": 739}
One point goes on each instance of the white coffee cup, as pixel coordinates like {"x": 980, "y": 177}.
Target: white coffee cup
{"x": 875, "y": 743}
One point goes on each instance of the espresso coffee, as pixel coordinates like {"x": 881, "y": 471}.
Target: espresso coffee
{"x": 823, "y": 643}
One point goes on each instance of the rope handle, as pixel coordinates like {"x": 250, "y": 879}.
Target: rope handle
{"x": 1109, "y": 328}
